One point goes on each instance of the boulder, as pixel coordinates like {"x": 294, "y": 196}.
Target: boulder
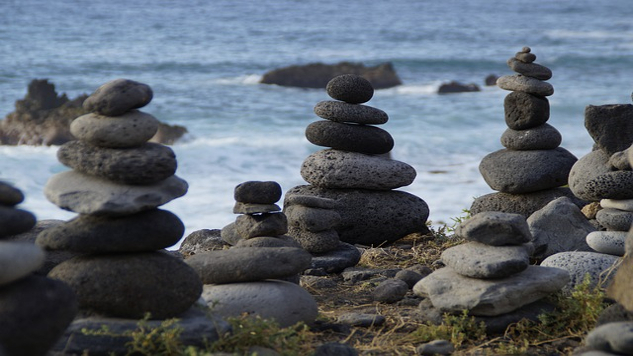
{"x": 457, "y": 87}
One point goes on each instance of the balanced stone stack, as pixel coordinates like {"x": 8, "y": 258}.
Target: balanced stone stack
{"x": 490, "y": 275}
{"x": 353, "y": 181}
{"x": 531, "y": 169}
{"x": 117, "y": 182}
{"x": 34, "y": 310}
{"x": 252, "y": 276}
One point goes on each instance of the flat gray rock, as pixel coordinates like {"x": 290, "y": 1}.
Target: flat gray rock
{"x": 248, "y": 226}
{"x": 525, "y": 84}
{"x": 18, "y": 260}
{"x": 248, "y": 208}
{"x": 285, "y": 302}
{"x": 599, "y": 266}
{"x": 610, "y": 126}
{"x": 542, "y": 137}
{"x": 495, "y": 228}
{"x": 615, "y": 219}
{"x": 349, "y": 137}
{"x": 523, "y": 204}
{"x": 338, "y": 111}
{"x": 146, "y": 164}
{"x": 532, "y": 70}
{"x": 524, "y": 111}
{"x": 249, "y": 264}
{"x": 118, "y": 96}
{"x": 312, "y": 219}
{"x": 352, "y": 170}
{"x": 350, "y": 88}
{"x": 15, "y": 221}
{"x": 257, "y": 192}
{"x": 526, "y": 171}
{"x": 451, "y": 292}
{"x": 612, "y": 337}
{"x": 620, "y": 204}
{"x": 476, "y": 260}
{"x": 315, "y": 242}
{"x": 390, "y": 291}
{"x": 129, "y": 130}
{"x": 86, "y": 194}
{"x": 129, "y": 285}
{"x": 344, "y": 256}
{"x": 268, "y": 241}
{"x": 609, "y": 242}
{"x": 10, "y": 195}
{"x": 586, "y": 169}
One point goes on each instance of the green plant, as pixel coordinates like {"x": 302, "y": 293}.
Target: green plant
{"x": 457, "y": 329}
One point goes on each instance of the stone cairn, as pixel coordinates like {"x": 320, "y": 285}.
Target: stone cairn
{"x": 490, "y": 275}
{"x": 351, "y": 197}
{"x": 531, "y": 169}
{"x": 34, "y": 310}
{"x": 117, "y": 181}
{"x": 252, "y": 276}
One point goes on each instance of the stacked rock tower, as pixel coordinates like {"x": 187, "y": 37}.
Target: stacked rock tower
{"x": 117, "y": 182}
{"x": 351, "y": 195}
{"x": 34, "y": 310}
{"x": 531, "y": 169}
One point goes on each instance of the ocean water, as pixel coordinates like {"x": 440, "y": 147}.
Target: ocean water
{"x": 204, "y": 60}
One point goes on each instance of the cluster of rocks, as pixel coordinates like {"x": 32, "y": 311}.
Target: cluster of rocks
{"x": 490, "y": 275}
{"x": 34, "y": 310}
{"x": 353, "y": 179}
{"x": 253, "y": 275}
{"x": 530, "y": 171}
{"x": 117, "y": 182}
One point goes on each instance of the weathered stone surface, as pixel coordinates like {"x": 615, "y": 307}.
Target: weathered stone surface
{"x": 542, "y": 137}
{"x": 495, "y": 228}
{"x": 249, "y": 264}
{"x": 202, "y": 240}
{"x": 311, "y": 201}
{"x": 86, "y": 194}
{"x": 229, "y": 234}
{"x": 610, "y": 185}
{"x": 350, "y": 88}
{"x": 558, "y": 227}
{"x": 129, "y": 285}
{"x": 268, "y": 241}
{"x": 285, "y": 302}
{"x": 312, "y": 219}
{"x": 9, "y": 195}
{"x": 146, "y": 231}
{"x": 248, "y": 226}
{"x": 248, "y": 208}
{"x": 532, "y": 70}
{"x": 609, "y": 242}
{"x": 476, "y": 260}
{"x": 620, "y": 287}
{"x": 15, "y": 221}
{"x": 450, "y": 292}
{"x": 457, "y": 87}
{"x": 390, "y": 291}
{"x": 352, "y": 170}
{"x": 146, "y": 164}
{"x": 615, "y": 219}
{"x": 526, "y": 171}
{"x": 613, "y": 337}
{"x": 525, "y": 84}
{"x": 338, "y": 111}
{"x": 610, "y": 126}
{"x": 620, "y": 160}
{"x": 129, "y": 130}
{"x": 386, "y": 216}
{"x": 614, "y": 313}
{"x": 523, "y": 204}
{"x": 524, "y": 111}
{"x": 335, "y": 261}
{"x": 588, "y": 168}
{"x": 525, "y": 56}
{"x": 34, "y": 311}
{"x": 315, "y": 242}
{"x": 18, "y": 260}
{"x": 349, "y": 137}
{"x": 599, "y": 266}
{"x": 118, "y": 96}
{"x": 620, "y": 204}
{"x": 256, "y": 192}
{"x": 409, "y": 276}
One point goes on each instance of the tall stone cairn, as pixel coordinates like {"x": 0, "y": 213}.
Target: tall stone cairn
{"x": 531, "y": 170}
{"x": 117, "y": 182}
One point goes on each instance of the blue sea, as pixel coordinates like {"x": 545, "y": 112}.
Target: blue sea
{"x": 204, "y": 60}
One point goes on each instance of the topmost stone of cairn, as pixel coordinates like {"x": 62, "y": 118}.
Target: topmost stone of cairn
{"x": 352, "y": 89}
{"x": 118, "y": 96}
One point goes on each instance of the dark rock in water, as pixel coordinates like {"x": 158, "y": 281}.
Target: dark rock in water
{"x": 386, "y": 216}
{"x": 339, "y": 111}
{"x": 349, "y": 137}
{"x": 457, "y": 87}
{"x": 255, "y": 192}
{"x": 491, "y": 80}
{"x": 524, "y": 204}
{"x": 610, "y": 126}
{"x": 118, "y": 96}
{"x": 524, "y": 111}
{"x": 15, "y": 221}
{"x": 34, "y": 311}
{"x": 350, "y": 88}
{"x": 317, "y": 75}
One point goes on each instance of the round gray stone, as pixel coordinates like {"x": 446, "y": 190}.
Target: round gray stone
{"x": 523, "y": 204}
{"x": 146, "y": 231}
{"x": 615, "y": 219}
{"x": 118, "y": 96}
{"x": 15, "y": 221}
{"x": 350, "y": 88}
{"x": 249, "y": 264}
{"x": 256, "y": 192}
{"x": 495, "y": 228}
{"x": 129, "y": 285}
{"x": 315, "y": 242}
{"x": 142, "y": 165}
{"x": 524, "y": 111}
{"x": 268, "y": 241}
{"x": 542, "y": 137}
{"x": 9, "y": 195}
{"x": 352, "y": 170}
{"x": 349, "y": 137}
{"x": 390, "y": 291}
{"x": 613, "y": 337}
{"x": 525, "y": 84}
{"x": 86, "y": 194}
{"x": 343, "y": 112}
{"x": 410, "y": 277}
{"x": 609, "y": 242}
{"x": 129, "y": 130}
{"x": 532, "y": 70}
{"x": 274, "y": 224}
{"x": 599, "y": 266}
{"x": 525, "y": 56}
{"x": 586, "y": 169}
{"x": 18, "y": 260}
{"x": 311, "y": 219}
{"x": 476, "y": 260}
{"x": 202, "y": 240}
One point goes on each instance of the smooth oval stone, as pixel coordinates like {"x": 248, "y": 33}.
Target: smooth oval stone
{"x": 249, "y": 264}
{"x": 621, "y": 204}
{"x": 312, "y": 219}
{"x": 15, "y": 221}
{"x": 579, "y": 263}
{"x": 476, "y": 260}
{"x": 118, "y": 96}
{"x": 343, "y": 112}
{"x": 129, "y": 130}
{"x": 339, "y": 169}
{"x": 145, "y": 164}
{"x": 248, "y": 208}
{"x": 620, "y": 160}
{"x": 9, "y": 195}
{"x": 350, "y": 88}
{"x": 337, "y": 260}
{"x": 129, "y": 285}
{"x": 609, "y": 242}
{"x": 86, "y": 194}
{"x": 18, "y": 260}
{"x": 524, "y": 204}
{"x": 315, "y": 242}
{"x": 34, "y": 311}
{"x": 531, "y": 70}
{"x": 585, "y": 170}
{"x": 525, "y": 84}
{"x": 525, "y": 56}
{"x": 146, "y": 231}
{"x": 542, "y": 137}
{"x": 248, "y": 226}
{"x": 256, "y": 192}
{"x": 613, "y": 337}
{"x": 614, "y": 219}
{"x": 285, "y": 302}
{"x": 495, "y": 228}
{"x": 349, "y": 137}
{"x": 524, "y": 111}
{"x": 526, "y": 171}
